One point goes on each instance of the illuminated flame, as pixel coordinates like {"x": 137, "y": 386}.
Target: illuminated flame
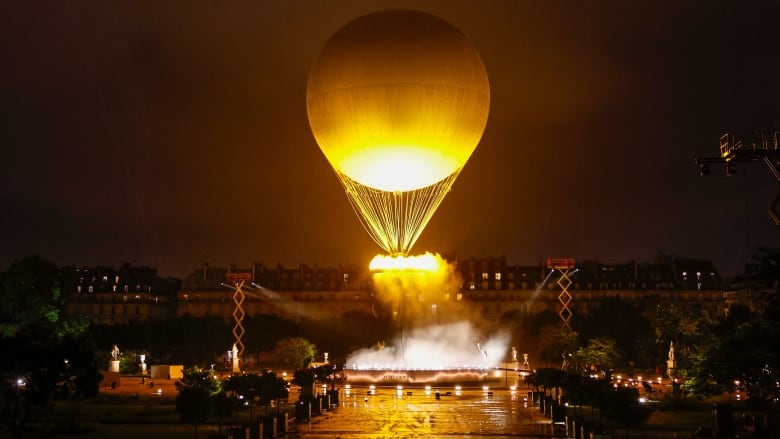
{"x": 397, "y": 168}
{"x": 426, "y": 262}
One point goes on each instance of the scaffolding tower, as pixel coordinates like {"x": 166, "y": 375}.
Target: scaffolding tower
{"x": 565, "y": 267}
{"x": 239, "y": 280}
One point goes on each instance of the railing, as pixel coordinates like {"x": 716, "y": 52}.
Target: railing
{"x": 730, "y": 144}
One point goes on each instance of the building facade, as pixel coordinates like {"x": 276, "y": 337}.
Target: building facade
{"x": 492, "y": 287}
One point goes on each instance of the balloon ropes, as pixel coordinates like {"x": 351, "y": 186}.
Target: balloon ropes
{"x": 395, "y": 219}
{"x": 397, "y": 101}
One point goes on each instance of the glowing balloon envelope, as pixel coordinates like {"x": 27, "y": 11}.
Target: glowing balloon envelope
{"x": 397, "y": 101}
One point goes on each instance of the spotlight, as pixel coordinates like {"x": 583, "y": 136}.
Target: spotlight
{"x": 731, "y": 168}
{"x": 704, "y": 169}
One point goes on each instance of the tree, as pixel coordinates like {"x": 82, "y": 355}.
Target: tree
{"x": 44, "y": 354}
{"x": 196, "y": 390}
{"x": 272, "y": 389}
{"x": 741, "y": 349}
{"x": 550, "y": 379}
{"x": 556, "y": 342}
{"x": 623, "y": 323}
{"x": 600, "y": 353}
{"x": 294, "y": 352}
{"x": 685, "y": 326}
{"x": 624, "y": 408}
{"x": 305, "y": 378}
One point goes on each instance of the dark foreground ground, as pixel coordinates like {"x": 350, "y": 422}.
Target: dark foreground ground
{"x": 139, "y": 411}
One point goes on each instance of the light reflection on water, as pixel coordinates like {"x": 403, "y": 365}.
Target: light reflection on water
{"x": 386, "y": 414}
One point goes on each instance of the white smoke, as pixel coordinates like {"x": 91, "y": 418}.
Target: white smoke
{"x": 449, "y": 346}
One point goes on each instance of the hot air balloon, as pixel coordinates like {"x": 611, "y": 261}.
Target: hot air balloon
{"x": 397, "y": 102}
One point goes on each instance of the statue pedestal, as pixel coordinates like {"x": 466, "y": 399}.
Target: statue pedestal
{"x": 235, "y": 365}
{"x": 113, "y": 366}
{"x": 511, "y": 375}
{"x": 142, "y": 367}
{"x": 671, "y": 366}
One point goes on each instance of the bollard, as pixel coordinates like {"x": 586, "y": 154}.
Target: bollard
{"x": 281, "y": 423}
{"x": 302, "y": 411}
{"x": 269, "y": 426}
{"x": 724, "y": 422}
{"x": 334, "y": 397}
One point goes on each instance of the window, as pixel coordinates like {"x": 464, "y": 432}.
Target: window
{"x": 91, "y": 289}
{"x": 105, "y": 278}
{"x": 484, "y": 275}
{"x": 498, "y": 276}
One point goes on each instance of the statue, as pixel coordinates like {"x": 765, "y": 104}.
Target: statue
{"x": 234, "y": 357}
{"x": 113, "y": 365}
{"x": 671, "y": 351}
{"x": 484, "y": 352}
{"x": 514, "y": 353}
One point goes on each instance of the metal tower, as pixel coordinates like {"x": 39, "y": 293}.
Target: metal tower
{"x": 565, "y": 266}
{"x": 762, "y": 146}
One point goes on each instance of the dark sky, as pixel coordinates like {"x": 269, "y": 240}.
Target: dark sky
{"x": 175, "y": 133}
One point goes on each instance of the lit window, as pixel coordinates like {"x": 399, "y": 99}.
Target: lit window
{"x": 346, "y": 277}
{"x": 78, "y": 289}
{"x": 116, "y": 279}
{"x": 91, "y": 289}
{"x": 105, "y": 278}
{"x": 498, "y": 276}
{"x": 685, "y": 275}
{"x": 484, "y": 275}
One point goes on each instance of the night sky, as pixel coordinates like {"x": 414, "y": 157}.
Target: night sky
{"x": 171, "y": 134}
